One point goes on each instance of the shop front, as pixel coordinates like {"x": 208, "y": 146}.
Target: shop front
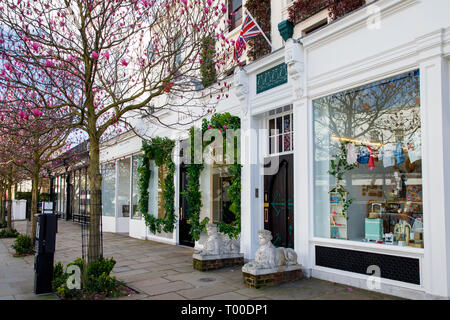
{"x": 370, "y": 128}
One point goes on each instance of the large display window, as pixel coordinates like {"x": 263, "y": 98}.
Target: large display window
{"x": 123, "y": 192}
{"x": 109, "y": 189}
{"x": 136, "y": 161}
{"x": 367, "y": 163}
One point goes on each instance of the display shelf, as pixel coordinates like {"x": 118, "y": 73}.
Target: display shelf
{"x": 338, "y": 221}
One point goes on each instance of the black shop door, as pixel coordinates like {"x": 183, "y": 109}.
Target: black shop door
{"x": 279, "y": 201}
{"x": 184, "y": 226}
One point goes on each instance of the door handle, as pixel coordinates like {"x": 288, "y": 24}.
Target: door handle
{"x": 181, "y": 213}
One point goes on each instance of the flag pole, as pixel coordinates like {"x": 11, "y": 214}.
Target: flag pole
{"x": 262, "y": 32}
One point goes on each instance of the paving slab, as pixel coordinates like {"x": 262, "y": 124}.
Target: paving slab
{"x": 161, "y": 271}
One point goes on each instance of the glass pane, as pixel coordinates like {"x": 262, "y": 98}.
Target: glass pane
{"x": 272, "y": 145}
{"x": 287, "y": 142}
{"x": 88, "y": 193}
{"x": 153, "y": 190}
{"x": 135, "y": 188}
{"x": 376, "y": 130}
{"x": 280, "y": 143}
{"x": 76, "y": 193}
{"x": 287, "y": 123}
{"x": 162, "y": 172}
{"x": 123, "y": 197}
{"x": 83, "y": 199}
{"x": 271, "y": 127}
{"x": 280, "y": 125}
{"x": 108, "y": 189}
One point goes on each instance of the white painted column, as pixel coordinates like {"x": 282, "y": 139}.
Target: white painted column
{"x": 176, "y": 159}
{"x": 251, "y": 208}
{"x": 294, "y": 58}
{"x": 251, "y": 177}
{"x": 116, "y": 196}
{"x": 435, "y": 113}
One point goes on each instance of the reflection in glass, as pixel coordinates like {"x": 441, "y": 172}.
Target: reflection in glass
{"x": 123, "y": 196}
{"x": 378, "y": 124}
{"x": 108, "y": 189}
{"x": 135, "y": 214}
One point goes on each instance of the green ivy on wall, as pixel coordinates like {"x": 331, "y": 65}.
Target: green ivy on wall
{"x": 222, "y": 122}
{"x": 160, "y": 151}
{"x": 193, "y": 194}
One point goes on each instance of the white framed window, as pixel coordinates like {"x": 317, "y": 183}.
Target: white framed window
{"x": 281, "y": 130}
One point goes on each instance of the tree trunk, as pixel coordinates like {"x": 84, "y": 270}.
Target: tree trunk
{"x": 34, "y": 204}
{"x": 95, "y": 179}
{"x": 2, "y": 208}
{"x": 9, "y": 197}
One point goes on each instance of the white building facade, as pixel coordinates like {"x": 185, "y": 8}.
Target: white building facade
{"x": 377, "y": 79}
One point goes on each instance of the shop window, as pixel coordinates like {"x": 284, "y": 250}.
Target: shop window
{"x": 76, "y": 194}
{"x": 162, "y": 173}
{"x": 281, "y": 132}
{"x": 375, "y": 131}
{"x": 235, "y": 13}
{"x": 135, "y": 214}
{"x": 123, "y": 192}
{"x": 83, "y": 192}
{"x": 109, "y": 189}
{"x": 220, "y": 200}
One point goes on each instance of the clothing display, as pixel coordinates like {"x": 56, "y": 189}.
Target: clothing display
{"x": 352, "y": 153}
{"x": 363, "y": 155}
{"x": 387, "y": 155}
{"x": 371, "y": 163}
{"x": 399, "y": 156}
{"x": 414, "y": 147}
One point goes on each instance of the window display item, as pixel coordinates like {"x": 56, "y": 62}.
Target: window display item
{"x": 414, "y": 193}
{"x": 352, "y": 154}
{"x": 363, "y": 155}
{"x": 371, "y": 163}
{"x": 402, "y": 232}
{"x": 389, "y": 238}
{"x": 374, "y": 224}
{"x": 414, "y": 147}
{"x": 338, "y": 217}
{"x": 386, "y": 154}
{"x": 399, "y": 156}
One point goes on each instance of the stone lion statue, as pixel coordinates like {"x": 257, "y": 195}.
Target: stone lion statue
{"x": 218, "y": 244}
{"x": 269, "y": 257}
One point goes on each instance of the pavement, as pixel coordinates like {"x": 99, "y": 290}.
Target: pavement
{"x": 161, "y": 271}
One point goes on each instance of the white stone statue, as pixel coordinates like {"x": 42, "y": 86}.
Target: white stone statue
{"x": 269, "y": 257}
{"x": 218, "y": 244}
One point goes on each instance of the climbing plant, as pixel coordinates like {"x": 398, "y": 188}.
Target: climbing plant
{"x": 338, "y": 167}
{"x": 193, "y": 194}
{"x": 160, "y": 151}
{"x": 260, "y": 10}
{"x": 302, "y": 9}
{"x": 223, "y": 122}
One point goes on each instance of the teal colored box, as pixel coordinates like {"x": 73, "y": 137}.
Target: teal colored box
{"x": 374, "y": 229}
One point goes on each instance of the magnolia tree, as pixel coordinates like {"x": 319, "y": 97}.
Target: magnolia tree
{"x": 32, "y": 137}
{"x": 104, "y": 60}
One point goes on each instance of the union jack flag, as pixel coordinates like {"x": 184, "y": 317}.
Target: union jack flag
{"x": 249, "y": 30}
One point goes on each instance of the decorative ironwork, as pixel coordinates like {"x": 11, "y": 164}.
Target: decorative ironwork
{"x": 271, "y": 78}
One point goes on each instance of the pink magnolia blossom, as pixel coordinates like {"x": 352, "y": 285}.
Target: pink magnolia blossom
{"x": 124, "y": 62}
{"x": 94, "y": 55}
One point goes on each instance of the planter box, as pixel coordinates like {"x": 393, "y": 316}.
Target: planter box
{"x": 206, "y": 263}
{"x": 272, "y": 277}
